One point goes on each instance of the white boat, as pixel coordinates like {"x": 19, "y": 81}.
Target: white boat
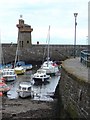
{"x": 9, "y": 74}
{"x": 25, "y": 90}
{"x": 41, "y": 76}
{"x": 50, "y": 67}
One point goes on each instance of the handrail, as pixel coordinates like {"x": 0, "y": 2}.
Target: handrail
{"x": 85, "y": 57}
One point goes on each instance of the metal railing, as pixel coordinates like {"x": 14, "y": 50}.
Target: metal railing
{"x": 85, "y": 57}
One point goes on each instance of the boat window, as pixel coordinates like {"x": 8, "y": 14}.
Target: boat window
{"x": 39, "y": 71}
{"x": 29, "y": 88}
{"x": 43, "y": 72}
{"x": 10, "y": 73}
{"x": 7, "y": 73}
{"x": 23, "y": 88}
{"x": 19, "y": 87}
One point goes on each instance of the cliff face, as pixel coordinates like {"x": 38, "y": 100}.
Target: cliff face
{"x": 36, "y": 53}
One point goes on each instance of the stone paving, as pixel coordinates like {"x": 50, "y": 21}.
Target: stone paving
{"x": 75, "y": 67}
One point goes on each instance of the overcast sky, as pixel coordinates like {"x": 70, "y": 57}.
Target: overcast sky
{"x": 42, "y": 13}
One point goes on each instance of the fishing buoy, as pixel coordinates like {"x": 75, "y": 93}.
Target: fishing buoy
{"x": 1, "y": 94}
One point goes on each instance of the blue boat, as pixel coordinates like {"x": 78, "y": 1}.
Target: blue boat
{"x": 25, "y": 66}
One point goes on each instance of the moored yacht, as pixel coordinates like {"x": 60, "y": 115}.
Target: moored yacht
{"x": 50, "y": 67}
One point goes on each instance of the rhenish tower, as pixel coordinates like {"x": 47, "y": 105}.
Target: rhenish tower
{"x": 89, "y": 24}
{"x": 24, "y": 34}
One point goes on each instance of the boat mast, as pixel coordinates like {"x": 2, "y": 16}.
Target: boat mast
{"x": 1, "y": 53}
{"x": 48, "y": 57}
{"x": 17, "y": 50}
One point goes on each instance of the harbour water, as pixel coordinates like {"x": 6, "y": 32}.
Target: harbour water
{"x": 42, "y": 91}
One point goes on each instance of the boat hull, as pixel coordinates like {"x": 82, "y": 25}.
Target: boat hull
{"x": 9, "y": 78}
{"x": 24, "y": 94}
{"x": 37, "y": 79}
{"x": 27, "y": 67}
{"x": 9, "y": 74}
{"x": 4, "y": 88}
{"x": 19, "y": 72}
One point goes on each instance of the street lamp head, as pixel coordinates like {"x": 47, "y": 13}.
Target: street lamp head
{"x": 75, "y": 14}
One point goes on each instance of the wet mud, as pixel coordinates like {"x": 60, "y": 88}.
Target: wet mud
{"x": 29, "y": 109}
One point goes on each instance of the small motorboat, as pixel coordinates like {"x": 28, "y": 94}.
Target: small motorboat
{"x": 41, "y": 76}
{"x": 19, "y": 70}
{"x": 4, "y": 88}
{"x": 9, "y": 74}
{"x": 25, "y": 90}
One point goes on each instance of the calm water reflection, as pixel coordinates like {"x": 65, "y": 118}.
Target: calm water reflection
{"x": 42, "y": 91}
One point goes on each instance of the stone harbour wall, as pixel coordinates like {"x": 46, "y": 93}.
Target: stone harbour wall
{"x": 35, "y": 53}
{"x": 74, "y": 95}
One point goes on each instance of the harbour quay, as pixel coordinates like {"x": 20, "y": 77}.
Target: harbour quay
{"x": 35, "y": 53}
{"x": 74, "y": 87}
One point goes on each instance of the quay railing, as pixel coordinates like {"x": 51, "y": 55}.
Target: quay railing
{"x": 85, "y": 57}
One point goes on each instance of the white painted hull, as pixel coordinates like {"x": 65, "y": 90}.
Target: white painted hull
{"x": 27, "y": 67}
{"x": 24, "y": 94}
{"x": 9, "y": 78}
{"x": 41, "y": 79}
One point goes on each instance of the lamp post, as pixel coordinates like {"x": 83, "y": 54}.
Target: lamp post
{"x": 75, "y": 15}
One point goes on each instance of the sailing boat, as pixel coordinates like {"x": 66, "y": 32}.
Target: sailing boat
{"x": 50, "y": 67}
{"x": 1, "y": 60}
{"x": 19, "y": 70}
{"x": 5, "y": 72}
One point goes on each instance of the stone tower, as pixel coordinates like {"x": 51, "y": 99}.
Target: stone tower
{"x": 88, "y": 24}
{"x": 24, "y": 34}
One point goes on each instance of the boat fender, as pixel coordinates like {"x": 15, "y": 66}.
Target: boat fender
{"x": 1, "y": 94}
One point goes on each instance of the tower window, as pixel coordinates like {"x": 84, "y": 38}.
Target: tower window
{"x": 27, "y": 41}
{"x": 22, "y": 43}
